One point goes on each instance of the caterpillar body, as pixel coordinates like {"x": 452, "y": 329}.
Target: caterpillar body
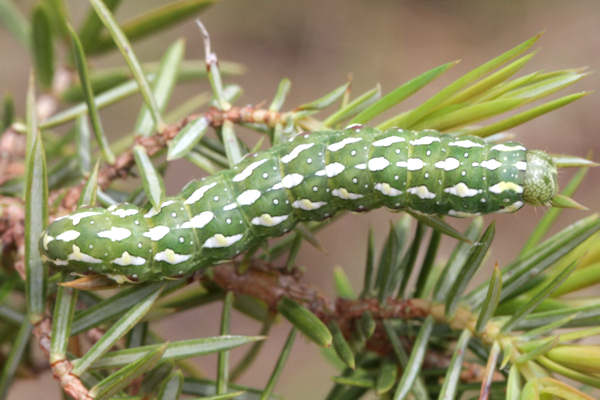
{"x": 311, "y": 177}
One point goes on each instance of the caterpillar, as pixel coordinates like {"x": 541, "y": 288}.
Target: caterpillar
{"x": 310, "y": 177}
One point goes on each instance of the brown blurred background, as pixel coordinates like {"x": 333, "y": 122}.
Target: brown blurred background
{"x": 317, "y": 44}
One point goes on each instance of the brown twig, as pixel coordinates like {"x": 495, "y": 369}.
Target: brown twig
{"x": 270, "y": 284}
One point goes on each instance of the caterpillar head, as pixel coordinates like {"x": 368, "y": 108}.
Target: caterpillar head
{"x": 541, "y": 182}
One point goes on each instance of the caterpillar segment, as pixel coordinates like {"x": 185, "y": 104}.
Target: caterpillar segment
{"x": 309, "y": 178}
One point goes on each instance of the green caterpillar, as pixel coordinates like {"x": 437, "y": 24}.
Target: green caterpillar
{"x": 311, "y": 177}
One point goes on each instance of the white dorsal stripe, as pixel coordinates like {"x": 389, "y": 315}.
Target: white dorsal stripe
{"x": 331, "y": 170}
{"x": 115, "y": 234}
{"x": 424, "y": 140}
{"x": 388, "y": 141}
{"x": 124, "y": 212}
{"x": 467, "y": 144}
{"x": 248, "y": 197}
{"x": 157, "y": 232}
{"x": 448, "y": 164}
{"x": 199, "y": 193}
{"x": 248, "y": 170}
{"x": 67, "y": 236}
{"x": 295, "y": 152}
{"x": 412, "y": 164}
{"x": 199, "y": 221}
{"x": 230, "y": 206}
{"x": 291, "y": 180}
{"x": 76, "y": 218}
{"x": 492, "y": 164}
{"x": 377, "y": 163}
{"x": 342, "y": 143}
{"x": 506, "y": 147}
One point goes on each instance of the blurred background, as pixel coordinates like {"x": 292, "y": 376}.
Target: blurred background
{"x": 317, "y": 44}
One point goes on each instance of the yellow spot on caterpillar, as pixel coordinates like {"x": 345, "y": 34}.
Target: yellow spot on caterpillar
{"x": 128, "y": 259}
{"x": 171, "y": 257}
{"x": 343, "y": 193}
{"x": 307, "y": 205}
{"x": 504, "y": 186}
{"x": 268, "y": 220}
{"x": 77, "y": 255}
{"x": 387, "y": 190}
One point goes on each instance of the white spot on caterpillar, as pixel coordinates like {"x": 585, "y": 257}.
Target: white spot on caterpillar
{"x": 219, "y": 240}
{"x": 504, "y": 147}
{"x": 503, "y": 186}
{"x": 361, "y": 166}
{"x": 421, "y": 191}
{"x": 248, "y": 197}
{"x": 268, "y": 220}
{"x": 125, "y": 212}
{"x": 291, "y": 180}
{"x": 448, "y": 164}
{"x": 115, "y": 234}
{"x": 424, "y": 140}
{"x": 171, "y": 257}
{"x": 387, "y": 190}
{"x": 157, "y": 232}
{"x": 295, "y": 152}
{"x": 229, "y": 207}
{"x": 128, "y": 259}
{"x": 462, "y": 190}
{"x": 467, "y": 144}
{"x": 248, "y": 170}
{"x": 307, "y": 205}
{"x": 340, "y": 145}
{"x": 77, "y": 255}
{"x": 377, "y": 163}
{"x": 76, "y": 218}
{"x": 288, "y": 182}
{"x": 68, "y": 236}
{"x": 331, "y": 170}
{"x": 412, "y": 164}
{"x": 199, "y": 221}
{"x": 198, "y": 193}
{"x": 512, "y": 208}
{"x": 46, "y": 239}
{"x": 462, "y": 214}
{"x": 388, "y": 141}
{"x": 58, "y": 261}
{"x": 521, "y": 165}
{"x": 342, "y": 193}
{"x": 491, "y": 164}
